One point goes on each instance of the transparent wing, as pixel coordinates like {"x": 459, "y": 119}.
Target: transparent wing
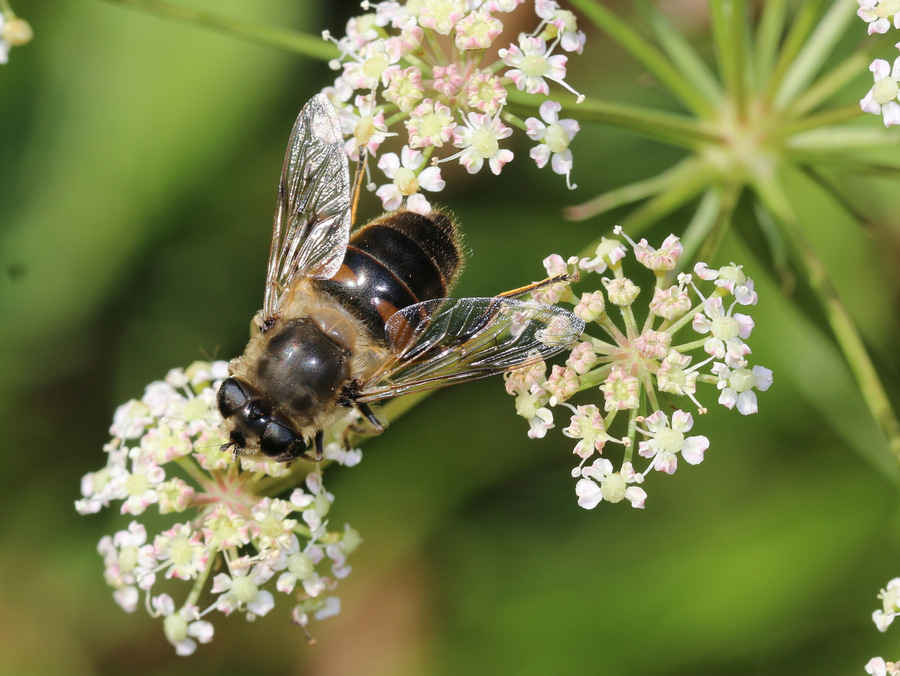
{"x": 444, "y": 341}
{"x": 312, "y": 217}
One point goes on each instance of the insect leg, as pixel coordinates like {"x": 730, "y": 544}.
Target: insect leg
{"x": 358, "y": 181}
{"x": 320, "y": 446}
{"x": 371, "y": 417}
{"x": 534, "y": 286}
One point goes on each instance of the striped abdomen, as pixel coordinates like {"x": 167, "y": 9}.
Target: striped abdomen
{"x": 392, "y": 263}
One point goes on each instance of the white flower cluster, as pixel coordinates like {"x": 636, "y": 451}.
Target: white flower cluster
{"x": 165, "y": 457}
{"x": 882, "y": 98}
{"x": 434, "y": 66}
{"x": 638, "y": 360}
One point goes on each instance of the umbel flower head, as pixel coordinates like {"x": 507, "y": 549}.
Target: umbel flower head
{"x": 439, "y": 73}
{"x": 235, "y": 543}
{"x": 635, "y": 361}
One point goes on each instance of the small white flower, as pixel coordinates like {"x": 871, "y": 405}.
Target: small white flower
{"x": 181, "y": 627}
{"x": 430, "y": 124}
{"x": 348, "y": 457}
{"x": 540, "y": 423}
{"x": 882, "y": 97}
{"x": 139, "y": 485}
{"x": 180, "y": 550}
{"x": 297, "y": 566}
{"x": 607, "y": 254}
{"x": 479, "y": 139}
{"x": 737, "y": 386}
{"x": 878, "y": 667}
{"x": 727, "y": 331}
{"x": 667, "y": 441}
{"x": 408, "y": 177}
{"x": 477, "y": 30}
{"x": 556, "y": 135}
{"x": 366, "y": 127}
{"x": 530, "y": 62}
{"x": 890, "y": 605}
{"x": 241, "y": 590}
{"x": 732, "y": 279}
{"x": 879, "y": 14}
{"x": 599, "y": 482}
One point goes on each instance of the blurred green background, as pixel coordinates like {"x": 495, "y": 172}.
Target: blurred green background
{"x": 138, "y": 171}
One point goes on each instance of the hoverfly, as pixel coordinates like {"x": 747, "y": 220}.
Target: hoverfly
{"x": 347, "y": 321}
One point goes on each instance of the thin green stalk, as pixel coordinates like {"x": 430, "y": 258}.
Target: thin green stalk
{"x": 839, "y": 319}
{"x": 711, "y": 244}
{"x": 621, "y": 31}
{"x": 829, "y": 84}
{"x": 679, "y": 193}
{"x": 312, "y": 46}
{"x": 829, "y": 117}
{"x": 806, "y": 20}
{"x": 703, "y": 235}
{"x": 847, "y": 164}
{"x": 681, "y": 52}
{"x": 701, "y": 225}
{"x": 768, "y": 38}
{"x": 831, "y": 139}
{"x": 632, "y": 192}
{"x": 816, "y": 51}
{"x": 775, "y": 242}
{"x": 728, "y": 22}
{"x": 678, "y": 130}
{"x": 200, "y": 583}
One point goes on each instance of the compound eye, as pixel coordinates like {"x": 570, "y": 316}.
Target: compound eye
{"x": 278, "y": 441}
{"x": 231, "y": 397}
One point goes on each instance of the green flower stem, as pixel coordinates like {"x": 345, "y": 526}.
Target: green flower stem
{"x": 682, "y": 54}
{"x": 200, "y": 582}
{"x": 694, "y": 344}
{"x": 695, "y": 179}
{"x": 730, "y": 195}
{"x": 621, "y": 31}
{"x": 647, "y": 384}
{"x": 677, "y": 130}
{"x": 682, "y": 183}
{"x": 728, "y": 27}
{"x": 632, "y": 435}
{"x": 594, "y": 378}
{"x": 847, "y": 164}
{"x": 707, "y": 218}
{"x": 626, "y": 194}
{"x": 768, "y": 38}
{"x": 829, "y": 84}
{"x": 829, "y": 30}
{"x": 829, "y": 117}
{"x": 300, "y": 43}
{"x": 6, "y": 10}
{"x": 824, "y": 142}
{"x": 192, "y": 470}
{"x": 838, "y": 317}
{"x": 303, "y": 530}
{"x": 806, "y": 20}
